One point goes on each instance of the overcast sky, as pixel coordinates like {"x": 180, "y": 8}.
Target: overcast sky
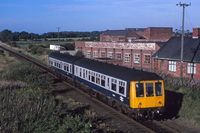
{"x": 40, "y": 16}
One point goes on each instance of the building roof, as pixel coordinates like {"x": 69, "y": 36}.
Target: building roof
{"x": 116, "y": 32}
{"x": 124, "y": 73}
{"x": 172, "y": 49}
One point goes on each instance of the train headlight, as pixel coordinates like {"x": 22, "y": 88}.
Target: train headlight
{"x": 158, "y": 111}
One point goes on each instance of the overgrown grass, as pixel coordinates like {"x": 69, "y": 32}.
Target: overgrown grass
{"x": 26, "y": 107}
{"x": 31, "y": 110}
{"x": 190, "y": 88}
{"x": 29, "y": 74}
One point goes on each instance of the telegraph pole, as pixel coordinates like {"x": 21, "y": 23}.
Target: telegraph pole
{"x": 182, "y": 36}
{"x": 58, "y": 33}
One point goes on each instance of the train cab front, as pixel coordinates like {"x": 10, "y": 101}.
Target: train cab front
{"x": 147, "y": 98}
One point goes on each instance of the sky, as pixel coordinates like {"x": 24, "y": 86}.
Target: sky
{"x": 41, "y": 16}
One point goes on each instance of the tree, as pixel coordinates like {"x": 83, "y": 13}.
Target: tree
{"x": 6, "y": 35}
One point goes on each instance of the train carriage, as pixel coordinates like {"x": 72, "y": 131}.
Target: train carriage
{"x": 135, "y": 88}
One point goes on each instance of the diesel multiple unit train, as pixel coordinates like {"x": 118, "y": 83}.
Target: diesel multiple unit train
{"x": 137, "y": 89}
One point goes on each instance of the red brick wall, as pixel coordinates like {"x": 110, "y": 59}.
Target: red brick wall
{"x": 158, "y": 33}
{"x": 177, "y": 73}
{"x": 114, "y": 38}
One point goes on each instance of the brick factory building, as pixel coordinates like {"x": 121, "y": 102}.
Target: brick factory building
{"x": 132, "y": 47}
{"x": 134, "y": 54}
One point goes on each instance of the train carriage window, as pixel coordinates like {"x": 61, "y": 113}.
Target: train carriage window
{"x": 121, "y": 87}
{"x": 98, "y": 78}
{"x": 61, "y": 65}
{"x": 108, "y": 83}
{"x": 139, "y": 90}
{"x": 80, "y": 72}
{"x": 76, "y": 71}
{"x": 89, "y": 75}
{"x": 54, "y": 63}
{"x": 83, "y": 73}
{"x": 86, "y": 74}
{"x": 103, "y": 80}
{"x": 114, "y": 84}
{"x": 70, "y": 68}
{"x": 158, "y": 88}
{"x": 149, "y": 90}
{"x": 93, "y": 76}
{"x": 67, "y": 67}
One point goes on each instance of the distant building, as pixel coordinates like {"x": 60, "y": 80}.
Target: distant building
{"x": 55, "y": 47}
{"x": 132, "y": 47}
{"x": 137, "y": 34}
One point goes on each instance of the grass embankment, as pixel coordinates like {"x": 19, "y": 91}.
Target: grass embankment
{"x": 189, "y": 102}
{"x": 28, "y": 106}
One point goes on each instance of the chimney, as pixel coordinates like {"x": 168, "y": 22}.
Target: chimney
{"x": 196, "y": 32}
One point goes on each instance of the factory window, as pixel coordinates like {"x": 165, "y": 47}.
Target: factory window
{"x": 88, "y": 54}
{"x": 121, "y": 87}
{"x": 137, "y": 58}
{"x": 172, "y": 66}
{"x": 158, "y": 88}
{"x": 139, "y": 90}
{"x": 103, "y": 55}
{"x": 93, "y": 76}
{"x": 114, "y": 84}
{"x": 149, "y": 90}
{"x": 95, "y": 54}
{"x": 191, "y": 68}
{"x": 162, "y": 65}
{"x": 122, "y": 39}
{"x": 127, "y": 57}
{"x": 103, "y": 80}
{"x": 98, "y": 78}
{"x": 110, "y": 55}
{"x": 146, "y": 59}
{"x": 118, "y": 56}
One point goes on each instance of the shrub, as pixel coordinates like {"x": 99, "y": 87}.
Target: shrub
{"x": 2, "y": 52}
{"x": 37, "y": 50}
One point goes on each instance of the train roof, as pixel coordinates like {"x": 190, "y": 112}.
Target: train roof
{"x": 124, "y": 73}
{"x": 64, "y": 57}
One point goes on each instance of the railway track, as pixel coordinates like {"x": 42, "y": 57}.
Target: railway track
{"x": 122, "y": 119}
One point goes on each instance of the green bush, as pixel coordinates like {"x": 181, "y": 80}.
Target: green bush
{"x": 37, "y": 50}
{"x": 190, "y": 88}
{"x": 2, "y": 52}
